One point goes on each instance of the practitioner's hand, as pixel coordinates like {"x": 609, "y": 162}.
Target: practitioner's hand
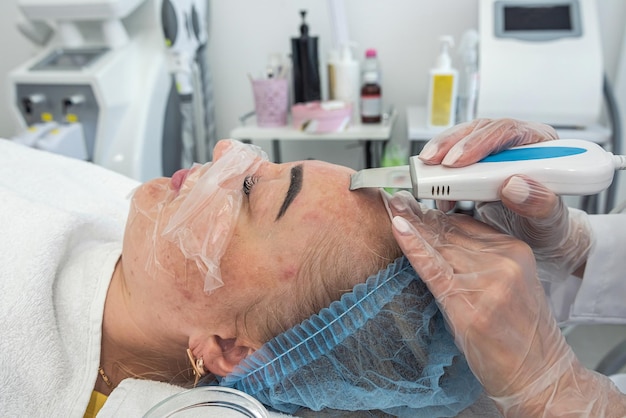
{"x": 469, "y": 142}
{"x": 560, "y": 237}
{"x": 486, "y": 285}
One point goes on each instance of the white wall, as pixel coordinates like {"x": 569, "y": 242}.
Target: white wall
{"x": 620, "y": 92}
{"x": 612, "y": 16}
{"x": 244, "y": 32}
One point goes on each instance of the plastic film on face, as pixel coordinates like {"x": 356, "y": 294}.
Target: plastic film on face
{"x": 205, "y": 220}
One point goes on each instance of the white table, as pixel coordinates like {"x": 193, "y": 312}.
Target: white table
{"x": 374, "y": 136}
{"x": 419, "y": 133}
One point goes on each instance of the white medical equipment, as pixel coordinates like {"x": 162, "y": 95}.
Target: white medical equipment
{"x": 540, "y": 60}
{"x": 108, "y": 70}
{"x": 566, "y": 166}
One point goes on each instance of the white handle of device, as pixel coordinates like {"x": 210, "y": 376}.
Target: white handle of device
{"x": 566, "y": 166}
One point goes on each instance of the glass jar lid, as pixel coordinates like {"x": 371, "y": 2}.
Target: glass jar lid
{"x": 209, "y": 401}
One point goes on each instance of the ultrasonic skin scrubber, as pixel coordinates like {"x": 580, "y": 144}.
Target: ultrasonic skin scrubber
{"x": 565, "y": 166}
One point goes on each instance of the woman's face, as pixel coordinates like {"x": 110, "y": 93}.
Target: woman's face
{"x": 286, "y": 211}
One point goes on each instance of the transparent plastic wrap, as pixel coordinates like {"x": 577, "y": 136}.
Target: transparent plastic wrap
{"x": 210, "y": 200}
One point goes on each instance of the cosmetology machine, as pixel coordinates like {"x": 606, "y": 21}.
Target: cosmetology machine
{"x": 540, "y": 60}
{"x": 121, "y": 83}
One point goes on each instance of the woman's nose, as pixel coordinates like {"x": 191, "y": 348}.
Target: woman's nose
{"x": 220, "y": 149}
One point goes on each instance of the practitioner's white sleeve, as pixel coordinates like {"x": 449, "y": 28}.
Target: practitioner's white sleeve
{"x": 600, "y": 297}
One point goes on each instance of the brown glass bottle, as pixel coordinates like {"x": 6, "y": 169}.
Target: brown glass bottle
{"x": 371, "y": 99}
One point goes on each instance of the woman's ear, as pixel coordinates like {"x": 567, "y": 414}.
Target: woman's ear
{"x": 221, "y": 355}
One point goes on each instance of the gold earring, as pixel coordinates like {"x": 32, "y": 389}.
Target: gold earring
{"x": 197, "y": 365}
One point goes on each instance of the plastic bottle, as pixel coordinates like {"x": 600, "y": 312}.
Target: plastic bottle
{"x": 371, "y": 92}
{"x": 468, "y": 77}
{"x": 333, "y": 58}
{"x": 345, "y": 82}
{"x": 306, "y": 77}
{"x": 442, "y": 92}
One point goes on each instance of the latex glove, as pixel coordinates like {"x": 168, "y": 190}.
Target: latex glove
{"x": 469, "y": 142}
{"x": 560, "y": 237}
{"x": 485, "y": 283}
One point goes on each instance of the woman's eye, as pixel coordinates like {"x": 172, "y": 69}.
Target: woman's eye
{"x": 248, "y": 184}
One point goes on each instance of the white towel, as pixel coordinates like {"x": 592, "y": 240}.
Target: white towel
{"x": 61, "y": 222}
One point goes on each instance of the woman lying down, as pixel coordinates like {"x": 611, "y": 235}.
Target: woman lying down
{"x": 103, "y": 297}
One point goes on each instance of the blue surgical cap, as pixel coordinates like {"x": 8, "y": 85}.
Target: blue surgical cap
{"x": 382, "y": 347}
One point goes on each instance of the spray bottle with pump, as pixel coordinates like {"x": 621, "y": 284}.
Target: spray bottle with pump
{"x": 442, "y": 93}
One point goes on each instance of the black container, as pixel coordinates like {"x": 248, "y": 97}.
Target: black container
{"x": 306, "y": 73}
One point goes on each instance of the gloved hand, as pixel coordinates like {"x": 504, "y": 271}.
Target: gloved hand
{"x": 486, "y": 285}
{"x": 560, "y": 237}
{"x": 469, "y": 142}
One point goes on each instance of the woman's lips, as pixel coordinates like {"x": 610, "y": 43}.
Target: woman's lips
{"x": 178, "y": 178}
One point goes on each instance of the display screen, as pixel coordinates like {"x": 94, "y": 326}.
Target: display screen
{"x": 517, "y": 18}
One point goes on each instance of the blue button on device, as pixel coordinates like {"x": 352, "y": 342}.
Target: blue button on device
{"x": 539, "y": 153}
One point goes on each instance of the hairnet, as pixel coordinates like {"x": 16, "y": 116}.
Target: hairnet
{"x": 204, "y": 222}
{"x": 384, "y": 346}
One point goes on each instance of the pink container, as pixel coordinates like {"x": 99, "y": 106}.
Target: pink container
{"x": 271, "y": 101}
{"x": 321, "y": 117}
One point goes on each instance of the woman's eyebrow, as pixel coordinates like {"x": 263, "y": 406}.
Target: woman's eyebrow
{"x": 294, "y": 188}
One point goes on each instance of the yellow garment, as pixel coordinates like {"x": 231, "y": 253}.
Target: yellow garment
{"x": 95, "y": 404}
